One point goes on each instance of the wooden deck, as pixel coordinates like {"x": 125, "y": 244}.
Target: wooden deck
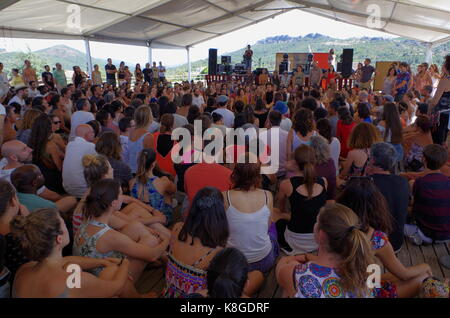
{"x": 153, "y": 280}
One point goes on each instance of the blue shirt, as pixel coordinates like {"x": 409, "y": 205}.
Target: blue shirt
{"x": 403, "y": 76}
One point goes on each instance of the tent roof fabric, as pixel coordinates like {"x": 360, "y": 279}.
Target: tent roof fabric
{"x": 184, "y": 23}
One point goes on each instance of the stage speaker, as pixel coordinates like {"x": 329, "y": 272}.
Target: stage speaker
{"x": 283, "y": 67}
{"x": 212, "y": 62}
{"x": 226, "y": 59}
{"x": 347, "y": 63}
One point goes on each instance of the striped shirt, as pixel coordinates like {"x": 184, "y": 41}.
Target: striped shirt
{"x": 432, "y": 205}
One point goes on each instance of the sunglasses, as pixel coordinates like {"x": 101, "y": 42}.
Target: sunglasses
{"x": 56, "y": 122}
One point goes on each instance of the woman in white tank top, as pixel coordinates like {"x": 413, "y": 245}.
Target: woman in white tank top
{"x": 249, "y": 210}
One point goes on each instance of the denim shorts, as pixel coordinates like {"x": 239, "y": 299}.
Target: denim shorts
{"x": 268, "y": 262}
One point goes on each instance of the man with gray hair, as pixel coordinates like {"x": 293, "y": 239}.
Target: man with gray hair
{"x": 394, "y": 188}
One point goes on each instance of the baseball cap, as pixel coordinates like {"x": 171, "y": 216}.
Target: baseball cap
{"x": 222, "y": 99}
{"x": 281, "y": 107}
{"x": 19, "y": 87}
{"x": 389, "y": 98}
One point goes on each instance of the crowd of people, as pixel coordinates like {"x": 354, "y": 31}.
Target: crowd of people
{"x": 88, "y": 178}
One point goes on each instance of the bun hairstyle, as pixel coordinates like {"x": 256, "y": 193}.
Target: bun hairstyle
{"x": 346, "y": 239}
{"x": 37, "y": 232}
{"x": 227, "y": 274}
{"x": 7, "y": 193}
{"x": 146, "y": 158}
{"x": 95, "y": 168}
{"x": 100, "y": 198}
{"x": 305, "y": 159}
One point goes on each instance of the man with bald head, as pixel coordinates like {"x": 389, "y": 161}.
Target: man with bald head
{"x": 15, "y": 154}
{"x": 73, "y": 172}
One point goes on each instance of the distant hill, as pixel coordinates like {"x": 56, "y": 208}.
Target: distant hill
{"x": 377, "y": 48}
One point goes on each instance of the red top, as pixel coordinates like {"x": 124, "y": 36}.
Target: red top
{"x": 206, "y": 175}
{"x": 343, "y": 133}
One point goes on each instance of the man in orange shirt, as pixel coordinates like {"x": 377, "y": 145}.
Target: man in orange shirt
{"x": 29, "y": 74}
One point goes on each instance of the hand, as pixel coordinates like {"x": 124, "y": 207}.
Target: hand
{"x": 110, "y": 260}
{"x": 160, "y": 216}
{"x": 23, "y": 210}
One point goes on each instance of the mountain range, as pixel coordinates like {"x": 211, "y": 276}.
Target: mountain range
{"x": 377, "y": 48}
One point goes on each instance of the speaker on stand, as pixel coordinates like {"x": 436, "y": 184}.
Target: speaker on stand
{"x": 347, "y": 63}
{"x": 212, "y": 62}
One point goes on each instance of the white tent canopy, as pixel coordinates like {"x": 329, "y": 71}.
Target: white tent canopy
{"x": 184, "y": 23}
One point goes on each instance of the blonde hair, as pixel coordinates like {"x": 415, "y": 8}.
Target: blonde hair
{"x": 143, "y": 117}
{"x": 346, "y": 239}
{"x": 95, "y": 168}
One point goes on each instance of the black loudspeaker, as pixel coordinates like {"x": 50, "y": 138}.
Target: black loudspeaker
{"x": 347, "y": 63}
{"x": 283, "y": 67}
{"x": 212, "y": 62}
{"x": 226, "y": 59}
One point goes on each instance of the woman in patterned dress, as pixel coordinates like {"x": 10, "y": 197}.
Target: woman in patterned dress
{"x": 340, "y": 268}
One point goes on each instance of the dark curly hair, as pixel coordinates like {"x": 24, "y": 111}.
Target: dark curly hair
{"x": 39, "y": 137}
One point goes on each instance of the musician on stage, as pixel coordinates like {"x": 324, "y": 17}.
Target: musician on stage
{"x": 248, "y": 55}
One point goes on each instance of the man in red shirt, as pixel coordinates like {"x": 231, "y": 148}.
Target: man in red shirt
{"x": 206, "y": 174}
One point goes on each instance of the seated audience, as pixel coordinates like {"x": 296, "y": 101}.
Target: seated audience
{"x": 195, "y": 243}
{"x": 27, "y": 179}
{"x": 43, "y": 235}
{"x": 395, "y": 189}
{"x": 259, "y": 245}
{"x": 96, "y": 239}
{"x": 324, "y": 164}
{"x": 153, "y": 190}
{"x": 307, "y": 194}
{"x": 72, "y": 173}
{"x": 431, "y": 194}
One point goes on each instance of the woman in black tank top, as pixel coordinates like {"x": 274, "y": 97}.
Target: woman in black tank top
{"x": 304, "y": 207}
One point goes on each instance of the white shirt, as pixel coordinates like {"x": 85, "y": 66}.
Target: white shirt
{"x": 335, "y": 150}
{"x": 154, "y": 127}
{"x": 124, "y": 143}
{"x": 198, "y": 101}
{"x": 228, "y": 116}
{"x": 34, "y": 93}
{"x": 79, "y": 118}
{"x": 179, "y": 121}
{"x": 18, "y": 100}
{"x": 73, "y": 172}
{"x": 266, "y": 137}
{"x": 162, "y": 71}
{"x": 286, "y": 124}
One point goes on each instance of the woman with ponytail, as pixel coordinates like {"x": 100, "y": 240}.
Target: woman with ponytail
{"x": 163, "y": 144}
{"x": 363, "y": 197}
{"x": 136, "y": 213}
{"x": 194, "y": 244}
{"x": 340, "y": 268}
{"x": 43, "y": 235}
{"x": 96, "y": 239}
{"x": 151, "y": 189}
{"x": 227, "y": 274}
{"x": 307, "y": 194}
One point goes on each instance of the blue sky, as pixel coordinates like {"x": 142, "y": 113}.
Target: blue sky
{"x": 293, "y": 23}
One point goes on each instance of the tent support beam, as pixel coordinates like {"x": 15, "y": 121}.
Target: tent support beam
{"x": 429, "y": 53}
{"x": 150, "y": 54}
{"x": 88, "y": 55}
{"x": 188, "y": 51}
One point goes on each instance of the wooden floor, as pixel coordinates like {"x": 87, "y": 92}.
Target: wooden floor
{"x": 153, "y": 280}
